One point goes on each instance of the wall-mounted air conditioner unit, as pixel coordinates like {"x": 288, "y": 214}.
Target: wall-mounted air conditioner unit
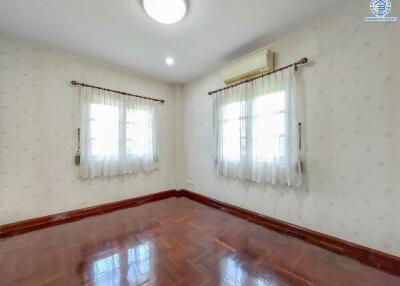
{"x": 248, "y": 67}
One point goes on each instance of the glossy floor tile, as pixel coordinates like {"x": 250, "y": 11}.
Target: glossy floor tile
{"x": 173, "y": 242}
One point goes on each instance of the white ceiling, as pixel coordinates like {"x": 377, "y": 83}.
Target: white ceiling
{"x": 120, "y": 33}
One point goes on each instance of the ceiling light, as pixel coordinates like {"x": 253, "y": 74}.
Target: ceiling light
{"x": 165, "y": 11}
{"x": 170, "y": 61}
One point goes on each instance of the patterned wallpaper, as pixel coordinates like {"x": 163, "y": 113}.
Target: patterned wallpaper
{"x": 352, "y": 133}
{"x": 39, "y": 114}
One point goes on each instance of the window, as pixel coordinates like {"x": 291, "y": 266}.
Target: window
{"x": 118, "y": 134}
{"x": 104, "y": 129}
{"x": 267, "y": 132}
{"x": 256, "y": 131}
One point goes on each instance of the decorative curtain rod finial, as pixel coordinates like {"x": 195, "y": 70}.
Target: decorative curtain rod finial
{"x": 303, "y": 61}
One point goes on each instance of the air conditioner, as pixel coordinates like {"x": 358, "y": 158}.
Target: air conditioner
{"x": 248, "y": 67}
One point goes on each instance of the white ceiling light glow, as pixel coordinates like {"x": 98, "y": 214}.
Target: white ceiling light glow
{"x": 165, "y": 11}
{"x": 170, "y": 61}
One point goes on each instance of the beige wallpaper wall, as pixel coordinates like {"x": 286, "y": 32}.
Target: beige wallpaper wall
{"x": 352, "y": 133}
{"x": 39, "y": 114}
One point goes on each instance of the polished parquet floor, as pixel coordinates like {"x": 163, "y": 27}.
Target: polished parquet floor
{"x": 173, "y": 242}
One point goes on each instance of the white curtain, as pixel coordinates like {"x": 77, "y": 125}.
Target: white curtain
{"x": 256, "y": 130}
{"x": 118, "y": 134}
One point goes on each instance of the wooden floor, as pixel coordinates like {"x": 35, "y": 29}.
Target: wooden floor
{"x": 173, "y": 242}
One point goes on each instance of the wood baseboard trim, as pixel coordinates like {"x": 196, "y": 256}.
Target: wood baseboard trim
{"x": 371, "y": 257}
{"x": 374, "y": 258}
{"x": 65, "y": 217}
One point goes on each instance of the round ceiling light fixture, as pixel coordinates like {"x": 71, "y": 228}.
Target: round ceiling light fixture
{"x": 165, "y": 11}
{"x": 170, "y": 61}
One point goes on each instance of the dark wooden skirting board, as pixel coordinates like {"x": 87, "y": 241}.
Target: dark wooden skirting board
{"x": 51, "y": 220}
{"x": 383, "y": 261}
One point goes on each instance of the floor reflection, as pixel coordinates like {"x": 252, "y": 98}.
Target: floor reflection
{"x": 107, "y": 270}
{"x": 232, "y": 273}
{"x": 139, "y": 263}
{"x": 131, "y": 267}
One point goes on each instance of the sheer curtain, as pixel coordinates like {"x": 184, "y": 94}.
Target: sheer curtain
{"x": 118, "y": 134}
{"x": 256, "y": 130}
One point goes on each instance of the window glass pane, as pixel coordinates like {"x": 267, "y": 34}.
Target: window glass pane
{"x": 232, "y": 111}
{"x": 279, "y": 120}
{"x": 282, "y": 145}
{"x": 104, "y": 130}
{"x": 269, "y": 127}
{"x": 139, "y": 132}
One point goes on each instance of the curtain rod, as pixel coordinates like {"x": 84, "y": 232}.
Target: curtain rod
{"x": 74, "y": 82}
{"x": 300, "y": 62}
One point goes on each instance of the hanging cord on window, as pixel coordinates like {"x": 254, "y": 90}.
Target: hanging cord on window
{"x": 78, "y": 153}
{"x": 299, "y": 135}
{"x": 301, "y": 170}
